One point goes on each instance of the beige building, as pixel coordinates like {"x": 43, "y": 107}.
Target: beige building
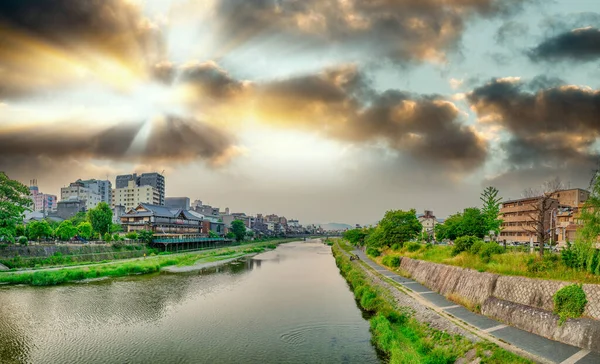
{"x": 132, "y": 196}
{"x": 428, "y": 221}
{"x": 78, "y": 191}
{"x": 518, "y": 224}
{"x": 572, "y": 197}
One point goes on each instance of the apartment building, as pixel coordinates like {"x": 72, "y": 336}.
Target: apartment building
{"x": 101, "y": 187}
{"x": 153, "y": 179}
{"x": 78, "y": 191}
{"x": 41, "y": 201}
{"x": 518, "y": 221}
{"x": 133, "y": 195}
{"x": 572, "y": 197}
{"x": 428, "y": 221}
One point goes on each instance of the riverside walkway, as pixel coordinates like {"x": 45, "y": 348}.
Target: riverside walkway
{"x": 548, "y": 350}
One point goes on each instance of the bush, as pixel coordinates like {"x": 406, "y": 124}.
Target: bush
{"x": 23, "y": 240}
{"x": 569, "y": 302}
{"x": 374, "y": 252}
{"x": 536, "y": 265}
{"x": 476, "y": 247}
{"x": 117, "y": 245}
{"x": 107, "y": 238}
{"x": 488, "y": 249}
{"x": 396, "y": 247}
{"x": 413, "y": 247}
{"x": 463, "y": 244}
{"x": 131, "y": 235}
{"x": 568, "y": 256}
{"x": 392, "y": 261}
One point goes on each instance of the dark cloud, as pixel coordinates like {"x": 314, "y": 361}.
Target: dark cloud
{"x": 340, "y": 104}
{"x": 581, "y": 45}
{"x": 171, "y": 139}
{"x": 209, "y": 81}
{"x": 551, "y": 125}
{"x": 400, "y": 30}
{"x": 37, "y": 37}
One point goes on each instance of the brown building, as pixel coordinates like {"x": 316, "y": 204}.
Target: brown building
{"x": 572, "y": 197}
{"x": 161, "y": 220}
{"x": 518, "y": 224}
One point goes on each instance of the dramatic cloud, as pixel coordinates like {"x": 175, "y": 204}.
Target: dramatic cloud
{"x": 510, "y": 30}
{"x": 170, "y": 139}
{"x": 340, "y": 103}
{"x": 581, "y": 45}
{"x": 49, "y": 43}
{"x": 209, "y": 81}
{"x": 551, "y": 125}
{"x": 401, "y": 30}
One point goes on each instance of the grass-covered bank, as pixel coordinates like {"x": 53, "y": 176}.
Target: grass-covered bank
{"x": 495, "y": 260}
{"x": 399, "y": 335}
{"x": 141, "y": 266}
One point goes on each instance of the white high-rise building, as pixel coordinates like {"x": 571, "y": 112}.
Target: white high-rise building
{"x": 131, "y": 196}
{"x": 79, "y": 191}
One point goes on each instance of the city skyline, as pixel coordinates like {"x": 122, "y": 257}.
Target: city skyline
{"x": 326, "y": 111}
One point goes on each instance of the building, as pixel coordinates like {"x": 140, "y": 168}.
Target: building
{"x": 161, "y": 220}
{"x": 78, "y": 190}
{"x": 428, "y": 221}
{"x": 118, "y": 211}
{"x": 205, "y": 210}
{"x": 101, "y": 187}
{"x": 41, "y": 201}
{"x": 68, "y": 208}
{"x": 178, "y": 203}
{"x": 156, "y": 180}
{"x": 214, "y": 224}
{"x": 572, "y": 197}
{"x": 518, "y": 221}
{"x": 133, "y": 195}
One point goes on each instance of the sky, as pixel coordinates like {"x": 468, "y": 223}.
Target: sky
{"x": 320, "y": 110}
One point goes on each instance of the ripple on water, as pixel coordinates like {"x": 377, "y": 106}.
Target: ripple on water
{"x": 298, "y": 335}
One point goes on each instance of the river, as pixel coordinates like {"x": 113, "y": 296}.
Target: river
{"x": 289, "y": 305}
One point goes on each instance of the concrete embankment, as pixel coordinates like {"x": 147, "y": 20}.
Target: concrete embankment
{"x": 525, "y": 303}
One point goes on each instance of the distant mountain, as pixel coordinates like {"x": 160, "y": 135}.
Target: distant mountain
{"x": 336, "y": 226}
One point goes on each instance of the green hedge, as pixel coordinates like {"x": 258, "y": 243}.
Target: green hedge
{"x": 569, "y": 302}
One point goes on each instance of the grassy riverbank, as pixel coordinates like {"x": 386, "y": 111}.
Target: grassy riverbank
{"x": 512, "y": 263}
{"x": 142, "y": 266}
{"x": 399, "y": 335}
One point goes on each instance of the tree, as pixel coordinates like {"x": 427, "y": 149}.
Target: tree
{"x": 588, "y": 234}
{"x": 212, "y": 234}
{"x": 101, "y": 218}
{"x": 84, "y": 229}
{"x": 107, "y": 238}
{"x": 396, "y": 227}
{"x": 491, "y": 209}
{"x": 79, "y": 218}
{"x": 146, "y": 236}
{"x": 238, "y": 228}
{"x": 116, "y": 228}
{"x": 473, "y": 223}
{"x": 451, "y": 228}
{"x": 541, "y": 209}
{"x": 14, "y": 201}
{"x": 66, "y": 231}
{"x": 356, "y": 237}
{"x": 38, "y": 230}
{"x": 230, "y": 235}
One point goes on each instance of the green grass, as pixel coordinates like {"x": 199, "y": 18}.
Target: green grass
{"x": 145, "y": 266}
{"x": 512, "y": 263}
{"x": 399, "y": 335}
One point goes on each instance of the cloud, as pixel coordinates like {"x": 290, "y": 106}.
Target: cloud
{"x": 170, "y": 139}
{"x": 340, "y": 103}
{"x": 510, "y": 30}
{"x": 579, "y": 45}
{"x": 208, "y": 80}
{"x": 44, "y": 44}
{"x": 399, "y": 30}
{"x": 551, "y": 125}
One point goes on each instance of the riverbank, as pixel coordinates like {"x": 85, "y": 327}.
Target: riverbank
{"x": 498, "y": 261}
{"x": 403, "y": 338}
{"x": 148, "y": 265}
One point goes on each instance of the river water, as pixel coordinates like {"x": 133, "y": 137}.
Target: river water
{"x": 289, "y": 305}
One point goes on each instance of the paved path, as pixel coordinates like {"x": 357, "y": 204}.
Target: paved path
{"x": 552, "y": 351}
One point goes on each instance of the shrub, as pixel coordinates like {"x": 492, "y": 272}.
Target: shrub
{"x": 374, "y": 252}
{"x": 476, "y": 247}
{"x": 23, "y": 240}
{"x": 117, "y": 245}
{"x": 391, "y": 261}
{"x": 131, "y": 235}
{"x": 107, "y": 238}
{"x": 464, "y": 243}
{"x": 536, "y": 265}
{"x": 413, "y": 247}
{"x": 568, "y": 256}
{"x": 569, "y": 302}
{"x": 488, "y": 249}
{"x": 396, "y": 247}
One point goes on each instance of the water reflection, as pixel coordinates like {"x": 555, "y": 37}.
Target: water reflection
{"x": 289, "y": 305}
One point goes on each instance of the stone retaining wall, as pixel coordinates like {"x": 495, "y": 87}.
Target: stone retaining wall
{"x": 526, "y": 303}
